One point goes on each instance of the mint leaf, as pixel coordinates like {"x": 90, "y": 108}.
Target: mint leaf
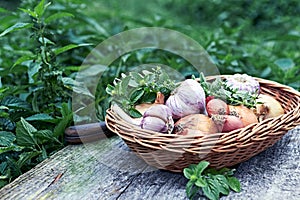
{"x": 201, "y": 167}
{"x": 188, "y": 173}
{"x": 234, "y": 184}
{"x": 222, "y": 184}
{"x": 201, "y": 182}
{"x": 211, "y": 191}
{"x": 191, "y": 190}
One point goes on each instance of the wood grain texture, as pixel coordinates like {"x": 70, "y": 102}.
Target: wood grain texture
{"x": 107, "y": 169}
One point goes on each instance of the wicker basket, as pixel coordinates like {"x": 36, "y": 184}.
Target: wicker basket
{"x": 175, "y": 152}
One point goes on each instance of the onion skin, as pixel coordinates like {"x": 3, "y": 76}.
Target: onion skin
{"x": 217, "y": 107}
{"x": 269, "y": 108}
{"x": 188, "y": 98}
{"x": 199, "y": 124}
{"x": 246, "y": 115}
{"x": 227, "y": 123}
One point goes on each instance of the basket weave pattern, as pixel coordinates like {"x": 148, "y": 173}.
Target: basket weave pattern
{"x": 175, "y": 152}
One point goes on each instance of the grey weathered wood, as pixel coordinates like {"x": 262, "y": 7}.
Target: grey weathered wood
{"x": 107, "y": 169}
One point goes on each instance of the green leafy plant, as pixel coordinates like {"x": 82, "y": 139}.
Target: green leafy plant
{"x": 137, "y": 88}
{"x": 219, "y": 89}
{"x": 212, "y": 182}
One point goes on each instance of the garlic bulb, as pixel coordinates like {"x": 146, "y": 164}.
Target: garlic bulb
{"x": 243, "y": 82}
{"x": 158, "y": 118}
{"x": 188, "y": 98}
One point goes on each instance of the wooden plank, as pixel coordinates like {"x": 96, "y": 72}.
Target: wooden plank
{"x": 107, "y": 169}
{"x": 100, "y": 170}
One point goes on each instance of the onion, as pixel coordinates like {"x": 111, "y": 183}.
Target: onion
{"x": 268, "y": 107}
{"x": 227, "y": 123}
{"x": 246, "y": 115}
{"x": 195, "y": 124}
{"x": 188, "y": 98}
{"x": 217, "y": 107}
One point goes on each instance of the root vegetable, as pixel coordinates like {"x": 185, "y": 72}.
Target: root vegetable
{"x": 195, "y": 124}
{"x": 227, "y": 123}
{"x": 246, "y": 115}
{"x": 268, "y": 107}
{"x": 217, "y": 107}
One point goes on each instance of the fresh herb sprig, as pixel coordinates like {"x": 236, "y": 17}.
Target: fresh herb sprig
{"x": 212, "y": 182}
{"x": 220, "y": 90}
{"x": 135, "y": 88}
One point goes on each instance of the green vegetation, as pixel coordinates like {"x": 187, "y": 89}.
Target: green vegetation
{"x": 43, "y": 45}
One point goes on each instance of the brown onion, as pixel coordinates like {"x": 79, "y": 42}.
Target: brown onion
{"x": 268, "y": 107}
{"x": 217, "y": 107}
{"x": 227, "y": 123}
{"x": 195, "y": 124}
{"x": 246, "y": 115}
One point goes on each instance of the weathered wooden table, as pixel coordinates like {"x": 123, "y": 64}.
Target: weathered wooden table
{"x": 107, "y": 169}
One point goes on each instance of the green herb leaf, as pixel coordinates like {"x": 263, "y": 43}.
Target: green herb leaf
{"x": 24, "y": 133}
{"x": 285, "y": 63}
{"x": 135, "y": 113}
{"x": 201, "y": 167}
{"x": 188, "y": 172}
{"x": 65, "y": 121}
{"x": 191, "y": 190}
{"x": 69, "y": 47}
{"x": 10, "y": 148}
{"x": 201, "y": 182}
{"x": 6, "y": 138}
{"x": 211, "y": 191}
{"x": 234, "y": 184}
{"x": 42, "y": 117}
{"x": 136, "y": 95}
{"x": 56, "y": 16}
{"x": 26, "y": 156}
{"x": 222, "y": 184}
{"x": 23, "y": 59}
{"x": 16, "y": 27}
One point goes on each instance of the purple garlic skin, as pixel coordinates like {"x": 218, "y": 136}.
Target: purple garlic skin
{"x": 188, "y": 98}
{"x": 158, "y": 118}
{"x": 243, "y": 82}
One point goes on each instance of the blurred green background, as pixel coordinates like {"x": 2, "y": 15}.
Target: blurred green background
{"x": 43, "y": 46}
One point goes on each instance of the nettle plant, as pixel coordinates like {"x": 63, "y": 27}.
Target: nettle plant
{"x": 34, "y": 115}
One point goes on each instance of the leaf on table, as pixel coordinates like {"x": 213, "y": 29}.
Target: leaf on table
{"x": 201, "y": 167}
{"x": 211, "y": 191}
{"x": 234, "y": 184}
